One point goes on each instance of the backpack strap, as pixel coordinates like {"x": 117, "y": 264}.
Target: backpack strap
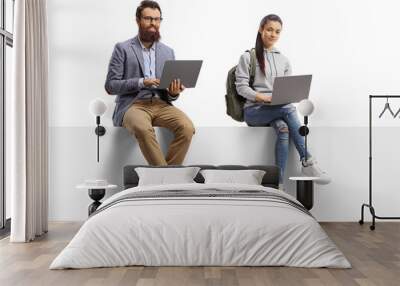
{"x": 252, "y": 66}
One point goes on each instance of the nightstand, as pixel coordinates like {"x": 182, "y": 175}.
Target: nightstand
{"x": 305, "y": 190}
{"x": 96, "y": 193}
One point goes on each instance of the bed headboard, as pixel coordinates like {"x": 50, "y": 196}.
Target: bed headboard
{"x": 270, "y": 179}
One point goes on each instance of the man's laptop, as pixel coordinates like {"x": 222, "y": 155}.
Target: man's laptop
{"x": 289, "y": 89}
{"x": 186, "y": 71}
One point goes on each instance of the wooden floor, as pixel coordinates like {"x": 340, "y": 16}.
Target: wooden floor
{"x": 374, "y": 255}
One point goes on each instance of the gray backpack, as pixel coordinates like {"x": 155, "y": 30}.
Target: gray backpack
{"x": 234, "y": 101}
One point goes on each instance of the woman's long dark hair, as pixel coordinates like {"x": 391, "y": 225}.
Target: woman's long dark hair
{"x": 259, "y": 42}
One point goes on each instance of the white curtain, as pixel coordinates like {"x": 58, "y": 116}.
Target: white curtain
{"x": 27, "y": 132}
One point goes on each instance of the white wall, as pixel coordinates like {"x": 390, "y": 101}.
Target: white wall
{"x": 351, "y": 48}
{"x": 343, "y": 152}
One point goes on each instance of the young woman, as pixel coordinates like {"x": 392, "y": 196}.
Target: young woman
{"x": 257, "y": 111}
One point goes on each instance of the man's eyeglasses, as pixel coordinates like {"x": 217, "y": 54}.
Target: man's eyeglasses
{"x": 149, "y": 19}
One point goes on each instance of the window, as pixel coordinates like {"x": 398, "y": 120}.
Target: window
{"x": 9, "y": 11}
{"x": 6, "y": 44}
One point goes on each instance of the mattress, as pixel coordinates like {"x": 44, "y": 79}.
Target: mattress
{"x": 201, "y": 225}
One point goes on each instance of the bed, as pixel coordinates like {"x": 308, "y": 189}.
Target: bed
{"x": 201, "y": 224}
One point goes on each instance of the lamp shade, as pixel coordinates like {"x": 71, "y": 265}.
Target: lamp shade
{"x": 97, "y": 107}
{"x": 305, "y": 107}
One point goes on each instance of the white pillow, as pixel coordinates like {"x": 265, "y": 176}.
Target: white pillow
{"x": 248, "y": 177}
{"x": 164, "y": 176}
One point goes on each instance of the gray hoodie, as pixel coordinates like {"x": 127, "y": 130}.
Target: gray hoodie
{"x": 276, "y": 64}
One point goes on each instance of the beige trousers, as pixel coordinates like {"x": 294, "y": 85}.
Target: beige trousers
{"x": 140, "y": 118}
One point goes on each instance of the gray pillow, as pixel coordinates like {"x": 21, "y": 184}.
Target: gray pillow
{"x": 165, "y": 176}
{"x": 248, "y": 177}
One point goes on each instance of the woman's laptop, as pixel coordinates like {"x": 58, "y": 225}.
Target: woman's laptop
{"x": 289, "y": 89}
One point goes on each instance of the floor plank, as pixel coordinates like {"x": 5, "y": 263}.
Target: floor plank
{"x": 374, "y": 255}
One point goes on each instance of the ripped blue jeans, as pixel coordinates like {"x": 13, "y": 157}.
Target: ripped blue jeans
{"x": 284, "y": 120}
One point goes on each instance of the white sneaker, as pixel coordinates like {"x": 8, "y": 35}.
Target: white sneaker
{"x": 311, "y": 169}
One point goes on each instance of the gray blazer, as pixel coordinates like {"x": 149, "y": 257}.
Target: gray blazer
{"x": 125, "y": 69}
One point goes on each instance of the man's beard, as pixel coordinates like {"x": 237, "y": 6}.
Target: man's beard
{"x": 149, "y": 36}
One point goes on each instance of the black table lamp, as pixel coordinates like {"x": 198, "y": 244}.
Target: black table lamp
{"x": 97, "y": 107}
{"x": 305, "y": 107}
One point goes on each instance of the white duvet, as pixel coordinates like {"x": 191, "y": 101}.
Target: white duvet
{"x": 200, "y": 231}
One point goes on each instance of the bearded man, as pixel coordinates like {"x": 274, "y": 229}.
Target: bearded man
{"x": 133, "y": 76}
